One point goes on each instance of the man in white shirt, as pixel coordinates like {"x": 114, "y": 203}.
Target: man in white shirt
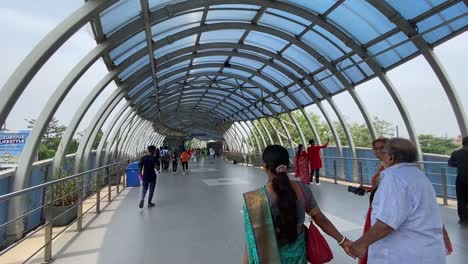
{"x": 406, "y": 222}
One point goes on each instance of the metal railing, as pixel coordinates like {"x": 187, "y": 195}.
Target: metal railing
{"x": 361, "y": 170}
{"x": 98, "y": 179}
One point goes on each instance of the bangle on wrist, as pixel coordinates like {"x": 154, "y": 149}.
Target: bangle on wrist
{"x": 342, "y": 241}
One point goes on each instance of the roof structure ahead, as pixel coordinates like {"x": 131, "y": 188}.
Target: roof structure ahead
{"x": 203, "y": 65}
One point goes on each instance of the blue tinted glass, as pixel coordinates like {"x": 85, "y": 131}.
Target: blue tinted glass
{"x": 322, "y": 45}
{"x": 138, "y": 40}
{"x": 265, "y": 41}
{"x": 317, "y": 6}
{"x": 282, "y": 24}
{"x": 361, "y": 20}
{"x": 364, "y": 67}
{"x": 302, "y": 97}
{"x": 282, "y": 13}
{"x": 195, "y": 71}
{"x": 289, "y": 104}
{"x": 354, "y": 74}
{"x": 118, "y": 14}
{"x": 276, "y": 75}
{"x": 315, "y": 92}
{"x": 218, "y": 16}
{"x": 301, "y": 58}
{"x": 288, "y": 69}
{"x": 396, "y": 53}
{"x": 276, "y": 107}
{"x": 332, "y": 38}
{"x": 256, "y": 91}
{"x": 331, "y": 84}
{"x": 252, "y": 64}
{"x": 170, "y": 79}
{"x": 176, "y": 24}
{"x": 208, "y": 59}
{"x": 227, "y": 35}
{"x": 135, "y": 89}
{"x": 265, "y": 84}
{"x": 156, "y": 4}
{"x": 411, "y": 9}
{"x": 134, "y": 67}
{"x": 237, "y": 72}
{"x": 182, "y": 43}
{"x": 173, "y": 67}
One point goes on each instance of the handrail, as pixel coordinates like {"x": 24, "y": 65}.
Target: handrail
{"x": 369, "y": 159}
{"x": 46, "y": 184}
{"x": 49, "y": 200}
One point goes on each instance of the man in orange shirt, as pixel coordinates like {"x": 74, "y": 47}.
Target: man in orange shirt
{"x": 184, "y": 157}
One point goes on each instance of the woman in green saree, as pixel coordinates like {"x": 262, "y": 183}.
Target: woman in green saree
{"x": 274, "y": 215}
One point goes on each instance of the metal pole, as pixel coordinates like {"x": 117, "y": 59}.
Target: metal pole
{"x": 98, "y": 192}
{"x": 443, "y": 175}
{"x": 48, "y": 224}
{"x": 79, "y": 206}
{"x": 109, "y": 188}
{"x": 361, "y": 179}
{"x": 335, "y": 175}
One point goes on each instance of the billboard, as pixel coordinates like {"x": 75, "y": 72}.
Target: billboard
{"x": 11, "y": 147}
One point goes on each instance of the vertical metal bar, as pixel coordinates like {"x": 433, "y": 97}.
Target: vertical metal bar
{"x": 48, "y": 224}
{"x": 98, "y": 192}
{"x": 118, "y": 177}
{"x": 79, "y": 206}
{"x": 361, "y": 179}
{"x": 109, "y": 188}
{"x": 443, "y": 175}
{"x": 335, "y": 175}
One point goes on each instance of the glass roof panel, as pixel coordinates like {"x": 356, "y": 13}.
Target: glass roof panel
{"x": 220, "y": 16}
{"x": 133, "y": 44}
{"x": 332, "y": 38}
{"x": 411, "y": 9}
{"x": 331, "y": 84}
{"x": 208, "y": 59}
{"x": 350, "y": 70}
{"x": 457, "y": 14}
{"x": 302, "y": 97}
{"x": 301, "y": 58}
{"x": 119, "y": 14}
{"x": 252, "y": 64}
{"x": 361, "y": 20}
{"x": 287, "y": 68}
{"x": 179, "y": 65}
{"x": 170, "y": 79}
{"x": 134, "y": 67}
{"x": 135, "y": 89}
{"x": 182, "y": 43}
{"x": 281, "y": 23}
{"x": 394, "y": 53}
{"x": 265, "y": 41}
{"x": 237, "y": 72}
{"x": 322, "y": 45}
{"x": 317, "y": 6}
{"x": 256, "y": 91}
{"x": 209, "y": 70}
{"x": 227, "y": 35}
{"x": 288, "y": 103}
{"x": 265, "y": 84}
{"x": 154, "y": 4}
{"x": 277, "y": 76}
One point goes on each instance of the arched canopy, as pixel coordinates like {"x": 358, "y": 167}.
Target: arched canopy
{"x": 185, "y": 53}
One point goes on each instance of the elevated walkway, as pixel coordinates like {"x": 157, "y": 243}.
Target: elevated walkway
{"x": 198, "y": 219}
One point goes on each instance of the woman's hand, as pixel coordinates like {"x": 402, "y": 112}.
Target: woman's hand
{"x": 346, "y": 246}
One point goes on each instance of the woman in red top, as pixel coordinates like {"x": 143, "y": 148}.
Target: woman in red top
{"x": 313, "y": 152}
{"x": 302, "y": 165}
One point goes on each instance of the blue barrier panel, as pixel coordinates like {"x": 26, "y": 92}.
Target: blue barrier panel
{"x": 35, "y": 199}
{"x": 433, "y": 173}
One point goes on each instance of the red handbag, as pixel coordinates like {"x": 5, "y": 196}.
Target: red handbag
{"x": 318, "y": 250}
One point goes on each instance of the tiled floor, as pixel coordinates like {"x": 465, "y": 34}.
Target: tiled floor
{"x": 198, "y": 219}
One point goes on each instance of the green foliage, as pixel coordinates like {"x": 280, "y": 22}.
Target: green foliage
{"x": 436, "y": 145}
{"x": 52, "y": 137}
{"x": 65, "y": 193}
{"x": 359, "y": 132}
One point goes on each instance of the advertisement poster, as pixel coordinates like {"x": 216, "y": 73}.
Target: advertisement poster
{"x": 11, "y": 147}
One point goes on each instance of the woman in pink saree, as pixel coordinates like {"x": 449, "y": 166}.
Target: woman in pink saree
{"x": 301, "y": 162}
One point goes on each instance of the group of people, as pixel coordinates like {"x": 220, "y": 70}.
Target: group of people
{"x": 309, "y": 163}
{"x": 150, "y": 165}
{"x": 403, "y": 223}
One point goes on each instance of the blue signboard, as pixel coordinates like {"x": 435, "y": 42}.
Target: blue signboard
{"x": 11, "y": 147}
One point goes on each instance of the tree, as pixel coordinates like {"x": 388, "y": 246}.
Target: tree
{"x": 437, "y": 145}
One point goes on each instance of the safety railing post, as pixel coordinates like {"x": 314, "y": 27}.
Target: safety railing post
{"x": 443, "y": 175}
{"x": 124, "y": 183}
{"x": 335, "y": 175}
{"x": 79, "y": 205}
{"x": 49, "y": 219}
{"x": 118, "y": 177}
{"x": 361, "y": 177}
{"x": 109, "y": 187}
{"x": 98, "y": 192}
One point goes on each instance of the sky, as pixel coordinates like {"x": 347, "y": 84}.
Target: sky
{"x": 28, "y": 21}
